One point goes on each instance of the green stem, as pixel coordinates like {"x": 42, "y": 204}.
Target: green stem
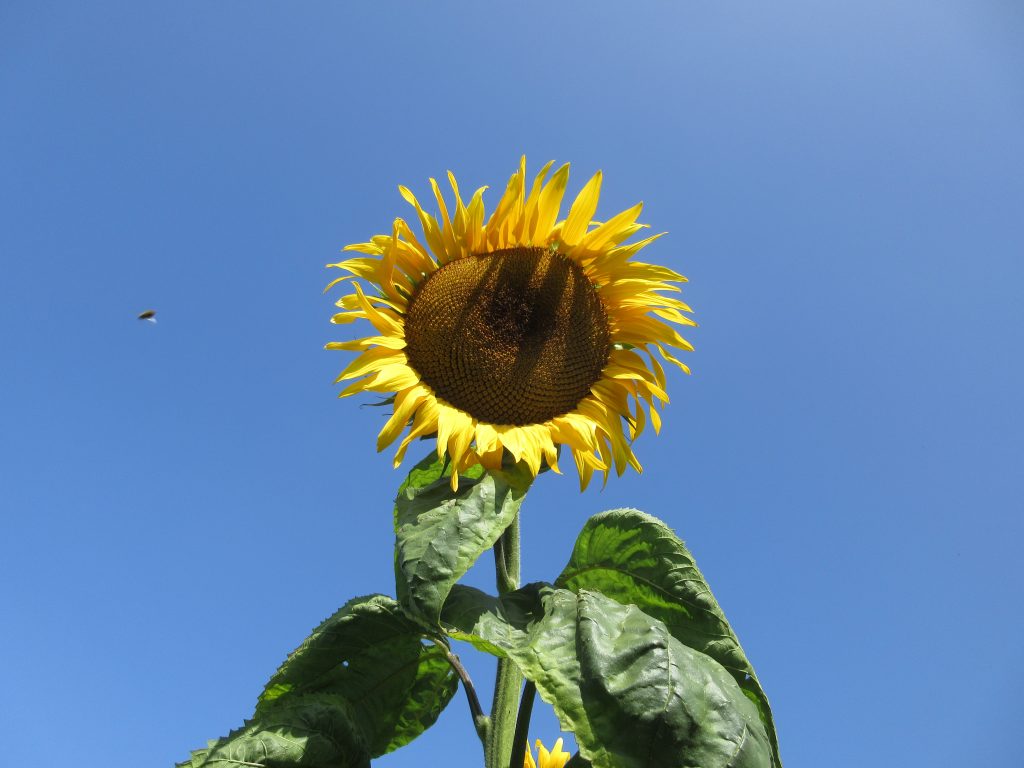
{"x": 501, "y": 734}
{"x": 523, "y": 725}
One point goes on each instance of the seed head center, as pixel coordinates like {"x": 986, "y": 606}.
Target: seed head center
{"x": 517, "y": 336}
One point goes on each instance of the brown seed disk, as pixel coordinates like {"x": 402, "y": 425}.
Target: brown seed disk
{"x": 517, "y": 336}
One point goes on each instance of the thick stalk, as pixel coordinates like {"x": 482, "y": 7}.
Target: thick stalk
{"x": 507, "y": 682}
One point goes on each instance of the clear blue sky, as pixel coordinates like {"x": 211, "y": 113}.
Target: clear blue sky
{"x": 843, "y": 182}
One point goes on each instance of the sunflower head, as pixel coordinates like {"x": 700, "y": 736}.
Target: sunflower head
{"x": 521, "y": 332}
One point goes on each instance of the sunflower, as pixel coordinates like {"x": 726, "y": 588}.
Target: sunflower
{"x": 519, "y": 332}
{"x": 556, "y": 758}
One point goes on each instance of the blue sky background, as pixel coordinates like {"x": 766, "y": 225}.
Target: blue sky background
{"x": 843, "y": 183}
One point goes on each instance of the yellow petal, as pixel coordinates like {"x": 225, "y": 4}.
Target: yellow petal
{"x": 548, "y": 204}
{"x": 405, "y": 405}
{"x": 582, "y": 211}
{"x": 450, "y": 250}
{"x": 526, "y": 228}
{"x": 452, "y": 423}
{"x": 506, "y": 213}
{"x": 602, "y": 235}
{"x": 431, "y": 231}
{"x": 370, "y": 361}
{"x": 424, "y": 423}
{"x": 381, "y": 319}
{"x": 474, "y": 238}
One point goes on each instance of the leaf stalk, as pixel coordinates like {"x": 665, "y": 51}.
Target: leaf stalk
{"x": 480, "y": 721}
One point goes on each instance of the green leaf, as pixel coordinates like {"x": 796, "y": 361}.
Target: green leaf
{"x": 636, "y": 559}
{"x": 428, "y": 470}
{"x": 632, "y": 694}
{"x": 311, "y": 732}
{"x": 371, "y": 656}
{"x": 362, "y": 684}
{"x": 440, "y": 533}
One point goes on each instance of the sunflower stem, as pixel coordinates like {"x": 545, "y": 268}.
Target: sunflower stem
{"x": 508, "y": 680}
{"x": 523, "y": 725}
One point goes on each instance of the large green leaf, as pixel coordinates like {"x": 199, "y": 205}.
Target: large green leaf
{"x": 426, "y": 471}
{"x": 632, "y": 694}
{"x": 364, "y": 681}
{"x": 312, "y": 732}
{"x": 635, "y": 558}
{"x": 373, "y": 657}
{"x": 440, "y": 533}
